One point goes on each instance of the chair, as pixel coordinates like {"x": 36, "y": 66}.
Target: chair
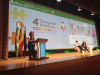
{"x": 90, "y": 48}
{"x": 76, "y": 48}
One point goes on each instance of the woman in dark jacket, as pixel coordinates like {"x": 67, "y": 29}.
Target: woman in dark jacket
{"x": 84, "y": 46}
{"x": 31, "y": 47}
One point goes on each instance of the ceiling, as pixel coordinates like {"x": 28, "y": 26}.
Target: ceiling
{"x": 97, "y": 1}
{"x": 91, "y": 5}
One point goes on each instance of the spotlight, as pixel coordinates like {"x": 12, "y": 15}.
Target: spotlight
{"x": 79, "y": 9}
{"x": 58, "y": 0}
{"x": 92, "y": 13}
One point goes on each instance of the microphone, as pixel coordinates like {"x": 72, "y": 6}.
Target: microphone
{"x": 37, "y": 35}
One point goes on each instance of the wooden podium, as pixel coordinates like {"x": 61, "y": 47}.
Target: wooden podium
{"x": 40, "y": 44}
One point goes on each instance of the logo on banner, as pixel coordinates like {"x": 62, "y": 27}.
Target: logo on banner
{"x": 63, "y": 27}
{"x": 93, "y": 33}
{"x": 42, "y": 25}
{"x": 11, "y": 1}
{"x": 52, "y": 12}
{"x": 16, "y": 13}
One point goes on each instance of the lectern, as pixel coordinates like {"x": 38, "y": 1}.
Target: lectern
{"x": 40, "y": 44}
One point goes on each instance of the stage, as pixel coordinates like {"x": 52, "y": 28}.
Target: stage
{"x": 13, "y": 63}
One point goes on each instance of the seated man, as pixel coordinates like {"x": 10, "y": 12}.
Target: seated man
{"x": 84, "y": 46}
{"x": 77, "y": 45}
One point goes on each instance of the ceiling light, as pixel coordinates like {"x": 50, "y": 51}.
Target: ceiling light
{"x": 92, "y": 13}
{"x": 58, "y": 0}
{"x": 79, "y": 9}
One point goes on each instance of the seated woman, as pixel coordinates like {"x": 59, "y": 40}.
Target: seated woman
{"x": 77, "y": 45}
{"x": 84, "y": 46}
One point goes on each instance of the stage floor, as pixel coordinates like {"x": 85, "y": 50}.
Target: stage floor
{"x": 13, "y": 63}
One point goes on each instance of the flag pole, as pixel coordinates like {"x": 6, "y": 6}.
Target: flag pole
{"x": 25, "y": 44}
{"x": 16, "y": 38}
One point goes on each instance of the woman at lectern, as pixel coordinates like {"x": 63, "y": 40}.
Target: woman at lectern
{"x": 84, "y": 46}
{"x": 31, "y": 47}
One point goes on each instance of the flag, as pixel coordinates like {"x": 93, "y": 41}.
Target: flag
{"x": 21, "y": 41}
{"x": 25, "y": 42}
{"x": 16, "y": 40}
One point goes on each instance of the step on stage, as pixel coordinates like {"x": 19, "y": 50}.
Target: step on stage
{"x": 13, "y": 64}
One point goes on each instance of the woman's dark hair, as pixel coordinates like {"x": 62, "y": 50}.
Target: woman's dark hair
{"x": 84, "y": 41}
{"x": 76, "y": 41}
{"x": 30, "y": 33}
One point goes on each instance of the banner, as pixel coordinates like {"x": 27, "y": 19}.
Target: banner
{"x": 53, "y": 25}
